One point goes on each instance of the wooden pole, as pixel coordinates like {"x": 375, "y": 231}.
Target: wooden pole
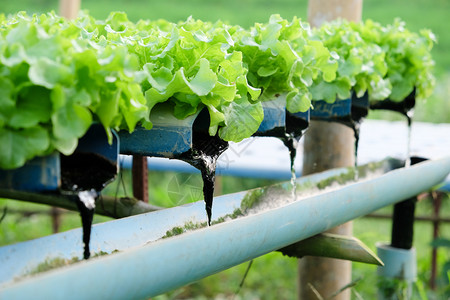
{"x": 55, "y": 213}
{"x": 320, "y": 11}
{"x": 328, "y": 145}
{"x": 140, "y": 177}
{"x": 69, "y": 8}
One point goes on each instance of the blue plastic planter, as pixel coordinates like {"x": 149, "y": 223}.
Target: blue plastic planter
{"x": 40, "y": 174}
{"x": 274, "y": 120}
{"x": 325, "y": 111}
{"x": 302, "y": 115}
{"x": 345, "y": 111}
{"x": 96, "y": 141}
{"x": 168, "y": 138}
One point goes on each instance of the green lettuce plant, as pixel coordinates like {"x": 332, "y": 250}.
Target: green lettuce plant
{"x": 193, "y": 66}
{"x": 361, "y": 62}
{"x": 54, "y": 84}
{"x": 282, "y": 58}
{"x": 409, "y": 61}
{"x": 57, "y": 77}
{"x": 389, "y": 62}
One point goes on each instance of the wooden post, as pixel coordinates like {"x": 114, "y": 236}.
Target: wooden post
{"x": 320, "y": 11}
{"x": 55, "y": 213}
{"x": 140, "y": 177}
{"x": 328, "y": 145}
{"x": 69, "y": 8}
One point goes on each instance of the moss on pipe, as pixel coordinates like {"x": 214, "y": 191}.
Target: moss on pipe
{"x": 188, "y": 226}
{"x": 257, "y": 196}
{"x": 58, "y": 262}
{"x": 341, "y": 179}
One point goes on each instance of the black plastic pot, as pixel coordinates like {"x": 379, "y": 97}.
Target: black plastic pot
{"x": 168, "y": 138}
{"x": 93, "y": 164}
{"x": 402, "y": 107}
{"x": 347, "y": 111}
{"x": 360, "y": 107}
{"x": 296, "y": 123}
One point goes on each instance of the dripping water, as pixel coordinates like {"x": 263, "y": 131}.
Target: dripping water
{"x": 409, "y": 116}
{"x": 83, "y": 176}
{"x": 205, "y": 151}
{"x": 359, "y": 110}
{"x": 207, "y": 166}
{"x": 86, "y": 206}
{"x": 406, "y": 108}
{"x": 295, "y": 127}
{"x": 356, "y": 131}
{"x": 355, "y": 126}
{"x": 291, "y": 142}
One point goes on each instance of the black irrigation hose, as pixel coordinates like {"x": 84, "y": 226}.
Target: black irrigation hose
{"x": 402, "y": 232}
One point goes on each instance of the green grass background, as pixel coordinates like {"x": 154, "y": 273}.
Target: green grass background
{"x": 272, "y": 276}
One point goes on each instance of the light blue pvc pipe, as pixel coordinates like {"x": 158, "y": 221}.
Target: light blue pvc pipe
{"x": 399, "y": 270}
{"x": 398, "y": 263}
{"x": 19, "y": 259}
{"x": 163, "y": 265}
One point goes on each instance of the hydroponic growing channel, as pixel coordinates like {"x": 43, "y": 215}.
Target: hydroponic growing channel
{"x": 77, "y": 93}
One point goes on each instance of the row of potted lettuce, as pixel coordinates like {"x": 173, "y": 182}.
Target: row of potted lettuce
{"x": 57, "y": 77}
